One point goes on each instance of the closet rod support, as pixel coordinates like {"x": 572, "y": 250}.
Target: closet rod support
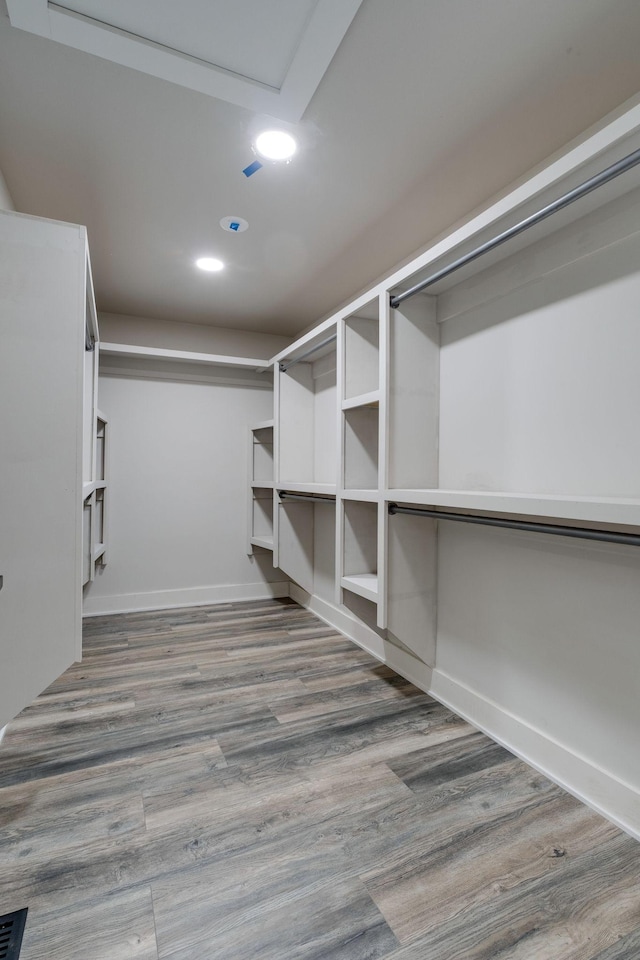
{"x": 285, "y": 364}
{"x": 305, "y": 497}
{"x": 578, "y": 533}
{"x": 605, "y": 176}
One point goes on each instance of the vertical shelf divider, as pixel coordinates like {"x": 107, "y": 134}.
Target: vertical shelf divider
{"x": 341, "y": 384}
{"x": 383, "y": 456}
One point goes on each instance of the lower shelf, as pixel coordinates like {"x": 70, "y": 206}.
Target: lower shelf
{"x": 99, "y": 551}
{"x": 265, "y": 542}
{"x": 364, "y": 584}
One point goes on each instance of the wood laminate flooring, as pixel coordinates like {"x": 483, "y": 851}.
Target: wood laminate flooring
{"x": 241, "y": 782}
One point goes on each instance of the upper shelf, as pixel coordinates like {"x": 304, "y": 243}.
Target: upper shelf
{"x": 320, "y": 489}
{"x": 620, "y": 510}
{"x": 157, "y": 353}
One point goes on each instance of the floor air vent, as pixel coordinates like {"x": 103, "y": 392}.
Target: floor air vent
{"x": 11, "y": 930}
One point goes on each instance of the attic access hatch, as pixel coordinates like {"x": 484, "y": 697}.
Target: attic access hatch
{"x": 266, "y": 55}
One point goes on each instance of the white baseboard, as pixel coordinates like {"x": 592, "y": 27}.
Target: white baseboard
{"x": 187, "y": 597}
{"x": 619, "y": 802}
{"x": 403, "y": 663}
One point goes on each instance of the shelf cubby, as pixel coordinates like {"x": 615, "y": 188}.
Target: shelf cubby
{"x": 101, "y": 448}
{"x": 262, "y": 518}
{"x": 87, "y": 559}
{"x": 413, "y": 394}
{"x": 360, "y": 549}
{"x": 306, "y": 545}
{"x": 412, "y": 545}
{"x": 262, "y": 453}
{"x": 365, "y": 610}
{"x": 362, "y": 352}
{"x": 99, "y": 545}
{"x": 308, "y": 421}
{"x": 361, "y": 426}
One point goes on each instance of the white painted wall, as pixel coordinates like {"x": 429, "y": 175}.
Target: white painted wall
{"x": 177, "y": 491}
{"x": 543, "y": 631}
{"x": 539, "y": 388}
{"x": 537, "y": 636}
{"x": 196, "y": 338}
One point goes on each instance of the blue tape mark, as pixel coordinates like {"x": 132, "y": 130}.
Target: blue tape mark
{"x": 252, "y": 168}
{"x": 234, "y": 226}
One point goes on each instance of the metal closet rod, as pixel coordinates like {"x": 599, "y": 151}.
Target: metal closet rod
{"x": 610, "y": 173}
{"x": 285, "y": 364}
{"x": 578, "y": 533}
{"x": 305, "y": 497}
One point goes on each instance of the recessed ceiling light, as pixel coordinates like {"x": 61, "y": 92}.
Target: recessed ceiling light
{"x": 210, "y": 264}
{"x": 276, "y": 145}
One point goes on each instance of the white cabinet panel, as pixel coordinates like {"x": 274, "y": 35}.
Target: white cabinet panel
{"x": 42, "y": 311}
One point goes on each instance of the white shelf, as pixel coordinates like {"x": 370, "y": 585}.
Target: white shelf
{"x": 593, "y": 509}
{"x": 99, "y": 550}
{"x": 263, "y": 425}
{"x": 91, "y": 487}
{"x": 262, "y": 484}
{"x": 307, "y": 342}
{"x": 364, "y": 584}
{"x": 321, "y": 489}
{"x": 371, "y": 399}
{"x": 217, "y": 360}
{"x": 369, "y": 496}
{"x": 265, "y": 542}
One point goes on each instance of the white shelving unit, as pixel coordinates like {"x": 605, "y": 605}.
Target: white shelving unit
{"x": 94, "y": 494}
{"x": 260, "y": 504}
{"x": 307, "y": 462}
{"x": 361, "y": 529}
{"x": 507, "y": 388}
{"x": 431, "y": 398}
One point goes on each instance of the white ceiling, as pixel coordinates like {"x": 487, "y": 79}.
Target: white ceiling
{"x": 265, "y": 55}
{"x": 427, "y": 109}
{"x": 258, "y": 41}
